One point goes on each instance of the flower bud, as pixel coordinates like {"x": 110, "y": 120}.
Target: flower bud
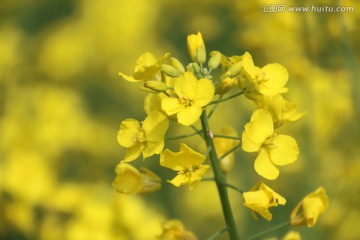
{"x": 215, "y": 60}
{"x": 193, "y": 43}
{"x": 170, "y": 70}
{"x": 177, "y": 64}
{"x": 157, "y": 86}
{"x": 196, "y": 67}
{"x": 224, "y": 86}
{"x": 201, "y": 55}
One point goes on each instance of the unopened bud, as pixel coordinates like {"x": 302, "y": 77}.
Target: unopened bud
{"x": 196, "y": 67}
{"x": 215, "y": 59}
{"x": 224, "y": 86}
{"x": 170, "y": 70}
{"x": 234, "y": 69}
{"x": 193, "y": 43}
{"x": 156, "y": 86}
{"x": 201, "y": 54}
{"x": 177, "y": 64}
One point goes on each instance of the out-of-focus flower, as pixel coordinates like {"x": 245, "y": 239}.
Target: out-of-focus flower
{"x": 223, "y": 145}
{"x": 274, "y": 149}
{"x": 192, "y": 95}
{"x": 292, "y": 235}
{"x": 311, "y": 207}
{"x": 188, "y": 164}
{"x": 224, "y": 86}
{"x": 281, "y": 110}
{"x": 146, "y": 138}
{"x": 194, "y": 42}
{"x": 147, "y": 68}
{"x": 260, "y": 198}
{"x": 175, "y": 230}
{"x": 129, "y": 180}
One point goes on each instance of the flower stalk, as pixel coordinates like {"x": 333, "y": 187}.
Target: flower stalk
{"x": 219, "y": 180}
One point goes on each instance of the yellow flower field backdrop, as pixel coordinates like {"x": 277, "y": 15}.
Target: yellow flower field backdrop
{"x": 62, "y": 101}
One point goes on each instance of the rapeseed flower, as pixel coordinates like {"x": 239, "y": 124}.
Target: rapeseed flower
{"x": 175, "y": 230}
{"x": 192, "y": 95}
{"x": 146, "y": 138}
{"x": 260, "y": 198}
{"x": 188, "y": 164}
{"x": 312, "y": 206}
{"x": 274, "y": 149}
{"x": 147, "y": 68}
{"x": 129, "y": 180}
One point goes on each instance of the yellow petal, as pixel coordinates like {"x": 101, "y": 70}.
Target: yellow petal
{"x": 186, "y": 86}
{"x": 129, "y": 128}
{"x": 128, "y": 179}
{"x": 155, "y": 126}
{"x": 152, "y": 148}
{"x": 184, "y": 159}
{"x": 204, "y": 93}
{"x": 276, "y": 76}
{"x": 285, "y": 150}
{"x": 315, "y": 204}
{"x": 179, "y": 180}
{"x": 193, "y": 43}
{"x": 128, "y": 78}
{"x": 257, "y": 130}
{"x": 258, "y": 201}
{"x": 271, "y": 91}
{"x": 189, "y": 115}
{"x": 264, "y": 167}
{"x": 249, "y": 68}
{"x": 171, "y": 105}
{"x": 153, "y": 102}
{"x": 133, "y": 152}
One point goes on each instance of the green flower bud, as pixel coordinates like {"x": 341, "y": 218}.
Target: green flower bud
{"x": 170, "y": 70}
{"x": 157, "y": 86}
{"x": 215, "y": 60}
{"x": 196, "y": 67}
{"x": 201, "y": 55}
{"x": 177, "y": 64}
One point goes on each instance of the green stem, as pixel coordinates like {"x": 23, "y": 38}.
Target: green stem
{"x": 230, "y": 151}
{"x": 226, "y": 136}
{"x": 182, "y": 136}
{"x": 219, "y": 179}
{"x": 285, "y": 224}
{"x": 227, "y": 98}
{"x": 214, "y": 108}
{"x": 218, "y": 234}
{"x": 233, "y": 187}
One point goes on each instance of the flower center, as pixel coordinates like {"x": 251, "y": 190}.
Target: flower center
{"x": 139, "y": 137}
{"x": 185, "y": 102}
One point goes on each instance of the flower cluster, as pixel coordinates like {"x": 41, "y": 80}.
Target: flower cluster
{"x": 183, "y": 95}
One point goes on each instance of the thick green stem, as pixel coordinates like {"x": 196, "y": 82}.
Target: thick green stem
{"x": 219, "y": 179}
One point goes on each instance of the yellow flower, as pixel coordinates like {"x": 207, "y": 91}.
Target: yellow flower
{"x": 292, "y": 235}
{"x": 260, "y": 198}
{"x": 147, "y": 68}
{"x": 312, "y": 206}
{"x": 223, "y": 145}
{"x": 192, "y": 95}
{"x": 175, "y": 230}
{"x": 193, "y": 44}
{"x": 274, "y": 149}
{"x": 129, "y": 180}
{"x": 188, "y": 164}
{"x": 281, "y": 110}
{"x": 146, "y": 138}
{"x": 268, "y": 80}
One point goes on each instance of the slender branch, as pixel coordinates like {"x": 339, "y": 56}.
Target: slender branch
{"x": 226, "y": 136}
{"x": 214, "y": 108}
{"x": 285, "y": 224}
{"x": 197, "y": 130}
{"x": 218, "y": 233}
{"x": 182, "y": 136}
{"x": 233, "y": 187}
{"x": 230, "y": 151}
{"x": 227, "y": 98}
{"x": 219, "y": 180}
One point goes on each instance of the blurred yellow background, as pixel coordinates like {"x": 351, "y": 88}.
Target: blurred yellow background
{"x": 61, "y": 103}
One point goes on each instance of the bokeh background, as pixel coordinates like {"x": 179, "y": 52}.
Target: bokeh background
{"x": 61, "y": 103}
